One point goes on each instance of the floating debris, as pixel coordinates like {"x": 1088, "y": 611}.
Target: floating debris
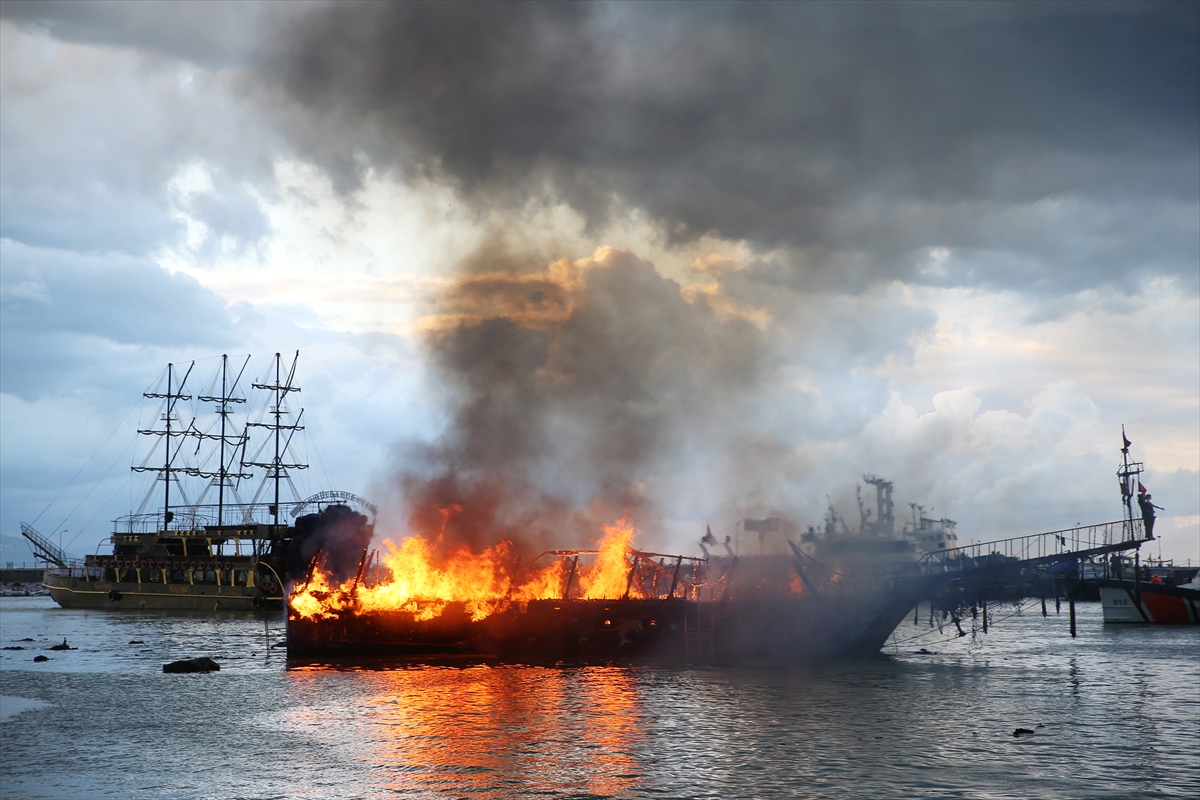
{"x": 1019, "y": 731}
{"x": 63, "y": 646}
{"x": 39, "y": 659}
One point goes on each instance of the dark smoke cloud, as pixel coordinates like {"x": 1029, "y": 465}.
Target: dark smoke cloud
{"x": 579, "y": 384}
{"x": 853, "y": 136}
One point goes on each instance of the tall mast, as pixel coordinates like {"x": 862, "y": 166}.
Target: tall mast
{"x": 1128, "y": 474}
{"x": 171, "y": 397}
{"x": 224, "y": 412}
{"x": 222, "y": 475}
{"x": 277, "y": 469}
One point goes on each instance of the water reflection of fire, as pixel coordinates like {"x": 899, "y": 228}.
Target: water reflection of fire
{"x": 478, "y": 732}
{"x": 483, "y": 732}
{"x": 419, "y": 580}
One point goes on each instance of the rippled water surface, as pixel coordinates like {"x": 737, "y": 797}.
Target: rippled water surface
{"x": 1120, "y": 708}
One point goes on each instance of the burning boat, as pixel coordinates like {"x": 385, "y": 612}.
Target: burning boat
{"x": 614, "y": 604}
{"x": 804, "y": 595}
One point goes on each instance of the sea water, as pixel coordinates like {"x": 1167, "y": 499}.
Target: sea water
{"x": 1115, "y": 713}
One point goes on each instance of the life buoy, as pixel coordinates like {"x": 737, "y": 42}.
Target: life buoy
{"x": 228, "y": 565}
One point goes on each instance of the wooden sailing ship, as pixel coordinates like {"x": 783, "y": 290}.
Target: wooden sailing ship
{"x": 205, "y": 556}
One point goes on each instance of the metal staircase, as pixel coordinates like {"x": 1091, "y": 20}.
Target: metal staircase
{"x": 43, "y": 548}
{"x": 698, "y": 631}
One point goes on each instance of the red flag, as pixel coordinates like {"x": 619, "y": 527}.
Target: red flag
{"x": 1141, "y": 489}
{"x": 1125, "y": 439}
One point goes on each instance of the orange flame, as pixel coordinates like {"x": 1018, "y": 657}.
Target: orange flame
{"x": 483, "y": 582}
{"x": 607, "y": 578}
{"x": 795, "y": 584}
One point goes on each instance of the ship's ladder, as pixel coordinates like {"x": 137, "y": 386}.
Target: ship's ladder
{"x": 698, "y": 631}
{"x": 43, "y": 548}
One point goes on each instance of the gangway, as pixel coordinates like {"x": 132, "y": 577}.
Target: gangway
{"x": 43, "y": 548}
{"x": 984, "y": 569}
{"x": 1039, "y": 549}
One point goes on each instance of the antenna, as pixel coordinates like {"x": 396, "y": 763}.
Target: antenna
{"x": 1128, "y": 475}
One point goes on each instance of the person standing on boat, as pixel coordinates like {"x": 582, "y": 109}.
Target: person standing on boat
{"x": 1147, "y": 510}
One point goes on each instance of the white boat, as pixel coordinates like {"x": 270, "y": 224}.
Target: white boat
{"x": 1144, "y": 601}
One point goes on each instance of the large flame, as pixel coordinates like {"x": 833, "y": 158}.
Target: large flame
{"x": 422, "y": 583}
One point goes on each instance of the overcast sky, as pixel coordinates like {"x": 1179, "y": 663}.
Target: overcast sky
{"x": 557, "y": 263}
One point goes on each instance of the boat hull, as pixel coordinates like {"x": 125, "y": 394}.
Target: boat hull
{"x": 662, "y": 631}
{"x": 73, "y": 592}
{"x": 1159, "y": 604}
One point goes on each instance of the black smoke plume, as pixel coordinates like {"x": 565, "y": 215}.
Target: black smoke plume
{"x": 337, "y": 536}
{"x": 573, "y": 390}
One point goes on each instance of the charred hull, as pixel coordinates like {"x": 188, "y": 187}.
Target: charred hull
{"x": 662, "y": 631}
